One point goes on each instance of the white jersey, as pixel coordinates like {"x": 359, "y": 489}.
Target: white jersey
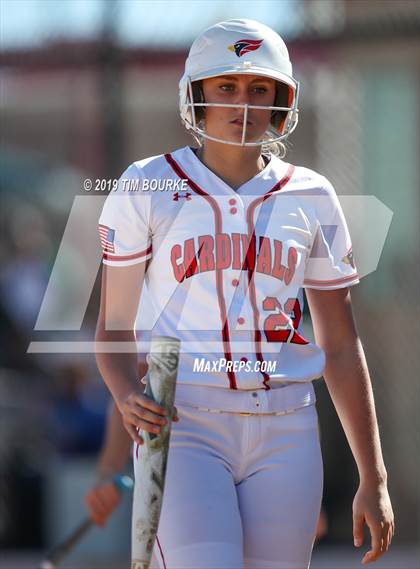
{"x": 226, "y": 268}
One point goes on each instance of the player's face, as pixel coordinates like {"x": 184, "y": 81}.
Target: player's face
{"x": 228, "y": 122}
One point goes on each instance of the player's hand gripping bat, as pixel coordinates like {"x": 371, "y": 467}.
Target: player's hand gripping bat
{"x": 60, "y": 551}
{"x": 151, "y": 468}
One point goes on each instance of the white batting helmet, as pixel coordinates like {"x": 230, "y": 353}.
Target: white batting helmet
{"x": 244, "y": 47}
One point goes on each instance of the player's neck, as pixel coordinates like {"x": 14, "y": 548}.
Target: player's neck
{"x": 233, "y": 164}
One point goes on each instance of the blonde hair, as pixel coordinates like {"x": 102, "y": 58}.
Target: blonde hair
{"x": 278, "y": 149}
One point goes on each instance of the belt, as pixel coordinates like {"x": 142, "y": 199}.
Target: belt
{"x": 277, "y": 401}
{"x": 241, "y": 414}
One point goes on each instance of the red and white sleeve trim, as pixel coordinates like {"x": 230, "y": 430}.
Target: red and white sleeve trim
{"x": 127, "y": 260}
{"x": 331, "y": 284}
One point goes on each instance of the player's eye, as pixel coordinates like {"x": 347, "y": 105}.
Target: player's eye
{"x": 260, "y": 89}
{"x": 226, "y": 87}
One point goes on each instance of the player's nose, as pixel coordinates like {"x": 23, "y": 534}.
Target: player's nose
{"x": 243, "y": 96}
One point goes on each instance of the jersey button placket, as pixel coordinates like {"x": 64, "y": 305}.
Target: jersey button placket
{"x": 236, "y": 207}
{"x": 232, "y": 202}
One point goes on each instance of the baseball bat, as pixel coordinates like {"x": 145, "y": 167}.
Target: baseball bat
{"x": 62, "y": 550}
{"x": 163, "y": 362}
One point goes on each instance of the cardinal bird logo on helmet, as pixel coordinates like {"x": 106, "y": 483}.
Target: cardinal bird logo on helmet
{"x": 241, "y": 47}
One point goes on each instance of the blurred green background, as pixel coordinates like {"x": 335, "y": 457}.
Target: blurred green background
{"x": 87, "y": 87}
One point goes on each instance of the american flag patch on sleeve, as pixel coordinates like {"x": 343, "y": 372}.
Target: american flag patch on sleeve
{"x": 107, "y": 236}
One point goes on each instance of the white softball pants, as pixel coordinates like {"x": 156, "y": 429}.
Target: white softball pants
{"x": 241, "y": 492}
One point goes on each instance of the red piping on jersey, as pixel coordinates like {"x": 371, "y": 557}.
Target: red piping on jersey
{"x": 332, "y": 282}
{"x": 252, "y": 294}
{"x": 109, "y": 257}
{"x": 219, "y": 274}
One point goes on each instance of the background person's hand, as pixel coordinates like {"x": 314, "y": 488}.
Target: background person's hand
{"x": 140, "y": 412}
{"x": 101, "y": 501}
{"x": 372, "y": 505}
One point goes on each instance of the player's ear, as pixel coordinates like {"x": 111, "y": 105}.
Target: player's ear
{"x": 198, "y": 97}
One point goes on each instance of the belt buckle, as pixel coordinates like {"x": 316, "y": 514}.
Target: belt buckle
{"x": 245, "y": 414}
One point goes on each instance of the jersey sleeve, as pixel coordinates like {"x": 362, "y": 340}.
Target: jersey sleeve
{"x": 124, "y": 229}
{"x": 330, "y": 264}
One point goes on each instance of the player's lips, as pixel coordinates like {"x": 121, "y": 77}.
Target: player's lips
{"x": 240, "y": 122}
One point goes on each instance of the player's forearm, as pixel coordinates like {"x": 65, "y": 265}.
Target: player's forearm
{"x": 115, "y": 452}
{"x": 347, "y": 378}
{"x": 118, "y": 370}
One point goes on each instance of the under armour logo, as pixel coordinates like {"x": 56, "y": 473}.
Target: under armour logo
{"x": 177, "y": 195}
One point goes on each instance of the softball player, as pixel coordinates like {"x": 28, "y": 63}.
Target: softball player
{"x": 226, "y": 236}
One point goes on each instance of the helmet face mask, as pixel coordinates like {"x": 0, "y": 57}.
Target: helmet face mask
{"x": 267, "y": 57}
